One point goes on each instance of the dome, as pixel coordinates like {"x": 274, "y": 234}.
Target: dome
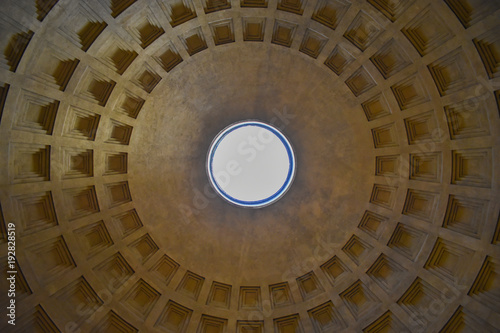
{"x": 108, "y": 109}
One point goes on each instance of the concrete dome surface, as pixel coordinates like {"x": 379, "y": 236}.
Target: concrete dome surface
{"x": 107, "y": 112}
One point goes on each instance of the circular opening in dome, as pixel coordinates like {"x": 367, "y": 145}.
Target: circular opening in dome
{"x": 251, "y": 164}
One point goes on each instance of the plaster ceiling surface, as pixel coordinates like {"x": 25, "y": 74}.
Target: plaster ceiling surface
{"x": 108, "y": 109}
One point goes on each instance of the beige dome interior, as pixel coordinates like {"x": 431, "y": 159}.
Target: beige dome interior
{"x": 108, "y": 109}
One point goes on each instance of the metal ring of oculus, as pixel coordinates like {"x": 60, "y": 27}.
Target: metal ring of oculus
{"x": 251, "y": 164}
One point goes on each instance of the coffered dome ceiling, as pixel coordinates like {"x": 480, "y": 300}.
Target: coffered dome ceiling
{"x": 108, "y": 108}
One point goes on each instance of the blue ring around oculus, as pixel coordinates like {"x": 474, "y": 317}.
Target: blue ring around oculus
{"x": 264, "y": 201}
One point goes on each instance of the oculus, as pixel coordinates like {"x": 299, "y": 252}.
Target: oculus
{"x": 251, "y": 164}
